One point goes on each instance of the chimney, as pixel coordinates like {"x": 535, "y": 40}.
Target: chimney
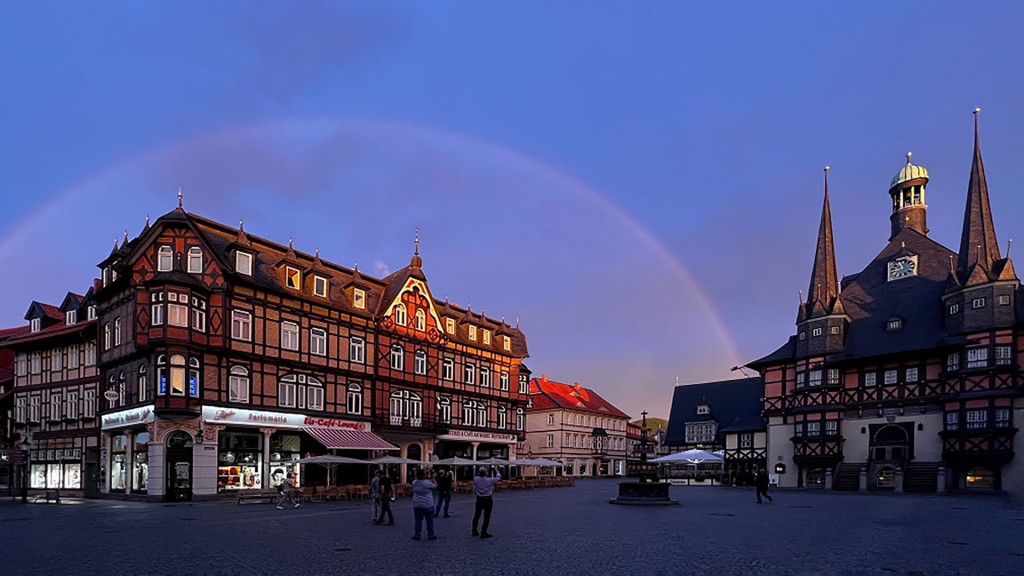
{"x": 543, "y": 377}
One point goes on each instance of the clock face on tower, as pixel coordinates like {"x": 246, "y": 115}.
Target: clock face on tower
{"x": 902, "y": 267}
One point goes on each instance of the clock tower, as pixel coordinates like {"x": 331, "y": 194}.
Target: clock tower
{"x": 907, "y": 193}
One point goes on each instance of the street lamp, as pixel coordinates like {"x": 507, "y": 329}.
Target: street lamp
{"x": 25, "y": 444}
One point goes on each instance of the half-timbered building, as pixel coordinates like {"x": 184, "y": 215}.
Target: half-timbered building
{"x": 232, "y": 356}
{"x": 56, "y": 395}
{"x": 905, "y": 375}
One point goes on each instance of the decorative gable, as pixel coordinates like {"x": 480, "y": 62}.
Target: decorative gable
{"x": 412, "y": 312}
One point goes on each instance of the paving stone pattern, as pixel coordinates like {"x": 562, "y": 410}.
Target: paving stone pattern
{"x": 716, "y": 530}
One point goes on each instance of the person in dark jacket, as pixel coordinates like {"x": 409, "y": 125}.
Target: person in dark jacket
{"x": 385, "y": 501}
{"x": 444, "y": 492}
{"x": 762, "y": 485}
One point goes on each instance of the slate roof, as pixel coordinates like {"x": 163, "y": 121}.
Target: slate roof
{"x": 734, "y": 404}
{"x": 548, "y": 394}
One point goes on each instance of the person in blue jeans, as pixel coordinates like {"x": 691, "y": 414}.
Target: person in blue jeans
{"x": 423, "y": 504}
{"x": 444, "y": 492}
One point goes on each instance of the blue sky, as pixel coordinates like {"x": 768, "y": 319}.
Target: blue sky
{"x": 639, "y": 183}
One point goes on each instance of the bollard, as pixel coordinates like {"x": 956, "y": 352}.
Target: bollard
{"x": 828, "y": 479}
{"x": 940, "y": 487}
{"x": 863, "y": 486}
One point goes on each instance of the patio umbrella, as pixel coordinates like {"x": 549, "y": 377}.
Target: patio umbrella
{"x": 496, "y": 462}
{"x": 546, "y": 462}
{"x": 456, "y": 461}
{"x": 393, "y": 460}
{"x": 330, "y": 461}
{"x": 688, "y": 457}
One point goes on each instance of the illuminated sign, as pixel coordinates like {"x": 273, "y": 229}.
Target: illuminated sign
{"x": 218, "y": 415}
{"x": 127, "y": 417}
{"x": 474, "y": 436}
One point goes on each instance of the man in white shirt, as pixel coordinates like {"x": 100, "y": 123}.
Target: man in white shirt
{"x": 483, "y": 487}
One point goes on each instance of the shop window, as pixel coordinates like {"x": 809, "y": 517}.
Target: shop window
{"x": 356, "y": 350}
{"x": 240, "y": 460}
{"x": 448, "y": 369}
{"x": 354, "y": 399}
{"x": 285, "y": 451}
{"x": 140, "y": 463}
{"x": 816, "y": 477}
{"x": 444, "y": 409}
{"x": 397, "y": 358}
{"x": 241, "y": 325}
{"x": 238, "y": 384}
{"x": 979, "y": 478}
{"x": 119, "y": 463}
{"x": 420, "y": 362}
{"x": 165, "y": 259}
{"x": 195, "y": 260}
{"x": 318, "y": 341}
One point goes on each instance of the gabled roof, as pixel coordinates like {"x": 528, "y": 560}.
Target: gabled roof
{"x": 731, "y": 402}
{"x": 60, "y": 331}
{"x": 548, "y": 394}
{"x": 43, "y": 310}
{"x": 979, "y": 249}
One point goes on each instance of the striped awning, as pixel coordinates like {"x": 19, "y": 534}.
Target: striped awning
{"x": 342, "y": 439}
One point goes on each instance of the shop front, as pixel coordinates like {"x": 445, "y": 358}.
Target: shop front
{"x": 475, "y": 445}
{"x": 124, "y": 465}
{"x": 257, "y": 449}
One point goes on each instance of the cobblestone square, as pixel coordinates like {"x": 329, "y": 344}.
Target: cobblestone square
{"x": 716, "y": 530}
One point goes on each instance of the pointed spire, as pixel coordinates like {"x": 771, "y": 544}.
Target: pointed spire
{"x": 824, "y": 284}
{"x": 978, "y": 244}
{"x": 114, "y": 251}
{"x": 180, "y": 207}
{"x": 416, "y": 261}
{"x": 125, "y": 237}
{"x": 146, "y": 227}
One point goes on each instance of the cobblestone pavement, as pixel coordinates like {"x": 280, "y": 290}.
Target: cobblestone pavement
{"x": 553, "y": 531}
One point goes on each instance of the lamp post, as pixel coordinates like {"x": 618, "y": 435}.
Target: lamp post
{"x": 25, "y": 444}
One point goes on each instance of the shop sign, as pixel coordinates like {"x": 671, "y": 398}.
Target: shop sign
{"x": 127, "y": 417}
{"x": 474, "y": 435}
{"x": 218, "y": 415}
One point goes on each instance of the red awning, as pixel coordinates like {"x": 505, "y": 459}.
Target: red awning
{"x": 341, "y": 439}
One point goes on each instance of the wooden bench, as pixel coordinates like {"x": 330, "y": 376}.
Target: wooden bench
{"x": 269, "y": 497}
{"x": 48, "y": 495}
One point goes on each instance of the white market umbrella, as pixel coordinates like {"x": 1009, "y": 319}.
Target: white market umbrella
{"x": 393, "y": 460}
{"x": 329, "y": 459}
{"x": 456, "y": 461}
{"x": 688, "y": 457}
{"x": 496, "y": 462}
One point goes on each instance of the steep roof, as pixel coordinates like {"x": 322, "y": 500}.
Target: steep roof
{"x": 979, "y": 249}
{"x": 732, "y": 403}
{"x": 824, "y": 285}
{"x": 548, "y": 394}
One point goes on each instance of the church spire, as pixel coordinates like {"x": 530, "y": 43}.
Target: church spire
{"x": 824, "y": 285}
{"x": 978, "y": 245}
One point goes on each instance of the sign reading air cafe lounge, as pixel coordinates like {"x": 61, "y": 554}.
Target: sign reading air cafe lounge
{"x": 218, "y": 415}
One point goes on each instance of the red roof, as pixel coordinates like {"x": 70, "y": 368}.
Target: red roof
{"x": 49, "y": 332}
{"x": 547, "y": 394}
{"x": 52, "y": 311}
{"x": 6, "y": 333}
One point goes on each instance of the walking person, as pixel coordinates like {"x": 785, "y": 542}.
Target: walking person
{"x": 762, "y": 485}
{"x": 444, "y": 492}
{"x": 483, "y": 487}
{"x": 423, "y": 504}
{"x": 287, "y": 492}
{"x": 375, "y": 496}
{"x": 385, "y": 501}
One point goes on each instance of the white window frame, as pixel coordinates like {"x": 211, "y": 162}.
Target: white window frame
{"x": 420, "y": 362}
{"x": 977, "y": 419}
{"x": 320, "y": 286}
{"x": 746, "y": 440}
{"x": 286, "y": 391}
{"x": 953, "y": 362}
{"x": 142, "y": 384}
{"x": 73, "y": 360}
{"x": 487, "y": 337}
{"x": 816, "y": 332}
{"x": 71, "y": 317}
{"x": 890, "y": 376}
{"x": 472, "y": 332}
{"x": 241, "y": 325}
{"x": 953, "y": 309}
{"x": 243, "y": 263}
{"x": 506, "y": 343}
{"x": 56, "y": 407}
{"x": 502, "y": 417}
{"x": 106, "y": 335}
{"x": 485, "y": 377}
{"x": 448, "y": 369}
{"x": 833, "y": 330}
{"x": 952, "y": 420}
{"x": 71, "y": 409}
{"x": 35, "y": 324}
{"x": 21, "y": 364}
{"x": 359, "y": 298}
{"x": 444, "y": 409}
{"x": 356, "y": 350}
{"x": 813, "y": 427}
{"x": 551, "y": 419}
{"x": 977, "y": 357}
{"x": 550, "y": 443}
{"x": 318, "y": 341}
{"x": 524, "y": 384}
{"x": 400, "y": 314}
{"x": 871, "y": 379}
{"x": 354, "y": 398}
{"x": 35, "y": 363}
{"x": 90, "y": 353}
{"x": 833, "y": 376}
{"x": 449, "y": 325}
{"x": 814, "y": 378}
{"x": 56, "y": 359}
{"x": 831, "y": 427}
{"x": 164, "y": 258}
{"x": 1003, "y": 299}
{"x": 89, "y": 403}
{"x": 34, "y": 408}
{"x": 396, "y": 357}
{"x": 293, "y": 278}
{"x": 503, "y": 381}
{"x": 195, "y": 260}
{"x": 520, "y": 419}
{"x": 289, "y": 335}
{"x": 315, "y": 394}
{"x": 1001, "y": 418}
{"x": 177, "y": 312}
{"x": 469, "y": 374}
{"x": 1004, "y": 355}
{"x": 238, "y": 384}
{"x": 912, "y": 375}
{"x": 117, "y": 331}
{"x": 977, "y": 303}
{"x": 801, "y": 379}
{"x": 421, "y": 320}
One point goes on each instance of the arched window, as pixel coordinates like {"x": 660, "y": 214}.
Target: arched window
{"x": 406, "y": 405}
{"x": 143, "y": 387}
{"x": 193, "y": 377}
{"x": 286, "y": 391}
{"x": 161, "y": 374}
{"x": 485, "y": 376}
{"x": 420, "y": 362}
{"x": 122, "y": 389}
{"x": 400, "y": 314}
{"x": 470, "y": 374}
{"x": 502, "y": 418}
{"x": 314, "y": 394}
{"x": 421, "y": 320}
{"x": 448, "y": 369}
{"x": 165, "y": 259}
{"x": 300, "y": 391}
{"x": 397, "y": 357}
{"x": 356, "y": 350}
{"x": 354, "y": 399}
{"x": 504, "y": 380}
{"x": 195, "y": 260}
{"x": 474, "y": 413}
{"x": 520, "y": 419}
{"x": 238, "y": 384}
{"x": 178, "y": 375}
{"x": 444, "y": 409}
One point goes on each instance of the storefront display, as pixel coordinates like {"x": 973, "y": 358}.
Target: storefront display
{"x": 38, "y": 476}
{"x": 140, "y": 464}
{"x": 284, "y": 456}
{"x": 118, "y": 462}
{"x": 73, "y": 476}
{"x": 240, "y": 460}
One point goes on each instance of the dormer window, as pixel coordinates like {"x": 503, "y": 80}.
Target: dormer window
{"x": 507, "y": 343}
{"x": 359, "y": 299}
{"x": 449, "y": 325}
{"x": 36, "y": 324}
{"x": 91, "y": 314}
{"x": 243, "y": 263}
{"x": 400, "y": 315}
{"x": 165, "y": 259}
{"x": 195, "y": 260}
{"x": 421, "y": 320}
{"x": 487, "y": 336}
{"x": 894, "y": 324}
{"x": 293, "y": 278}
{"x": 703, "y": 409}
{"x": 71, "y": 317}
{"x": 320, "y": 286}
{"x": 472, "y": 333}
